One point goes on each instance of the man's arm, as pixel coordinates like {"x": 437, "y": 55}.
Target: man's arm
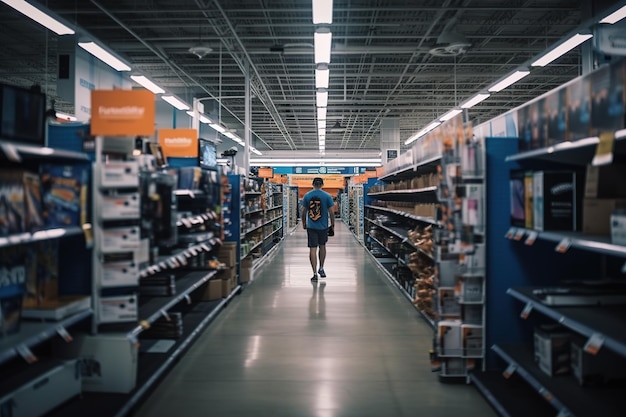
{"x": 303, "y": 216}
{"x": 331, "y": 212}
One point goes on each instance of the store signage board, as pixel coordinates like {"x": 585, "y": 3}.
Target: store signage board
{"x": 320, "y": 170}
{"x": 122, "y": 113}
{"x": 180, "y": 143}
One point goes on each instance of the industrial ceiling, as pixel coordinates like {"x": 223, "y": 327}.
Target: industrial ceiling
{"x": 411, "y": 60}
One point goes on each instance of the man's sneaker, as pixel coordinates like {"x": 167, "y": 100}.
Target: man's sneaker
{"x": 322, "y": 273}
{"x": 314, "y": 278}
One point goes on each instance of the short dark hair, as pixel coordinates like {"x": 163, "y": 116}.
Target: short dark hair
{"x": 318, "y": 181}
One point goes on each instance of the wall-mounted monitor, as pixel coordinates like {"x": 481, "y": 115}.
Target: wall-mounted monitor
{"x": 207, "y": 154}
{"x": 22, "y": 115}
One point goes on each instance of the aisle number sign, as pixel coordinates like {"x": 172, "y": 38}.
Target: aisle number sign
{"x": 181, "y": 143}
{"x": 122, "y": 113}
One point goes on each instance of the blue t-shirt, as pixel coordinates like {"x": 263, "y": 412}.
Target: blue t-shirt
{"x": 326, "y": 202}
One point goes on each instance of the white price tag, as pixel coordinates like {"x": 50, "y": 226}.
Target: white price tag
{"x": 563, "y": 245}
{"x": 526, "y": 311}
{"x": 519, "y": 235}
{"x": 531, "y": 238}
{"x": 509, "y": 371}
{"x": 61, "y": 331}
{"x": 26, "y": 353}
{"x": 594, "y": 344}
{"x": 510, "y": 233}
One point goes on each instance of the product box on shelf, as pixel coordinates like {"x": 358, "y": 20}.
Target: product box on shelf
{"x": 517, "y": 198}
{"x": 227, "y": 286}
{"x": 116, "y": 173}
{"x": 58, "y": 308}
{"x": 115, "y": 239}
{"x": 605, "y": 181}
{"x": 119, "y": 269}
{"x": 227, "y": 253}
{"x": 607, "y": 98}
{"x": 449, "y": 336}
{"x": 12, "y": 288}
{"x": 618, "y": 227}
{"x": 118, "y": 308}
{"x": 33, "y": 204}
{"x": 246, "y": 271}
{"x": 210, "y": 290}
{"x": 44, "y": 392}
{"x": 108, "y": 361}
{"x": 556, "y": 116}
{"x": 552, "y": 349}
{"x": 532, "y": 126}
{"x": 64, "y": 194}
{"x": 594, "y": 370}
{"x": 12, "y": 205}
{"x": 472, "y": 205}
{"x": 579, "y": 109}
{"x": 448, "y": 305}
{"x": 469, "y": 288}
{"x": 42, "y": 273}
{"x": 117, "y": 205}
{"x": 597, "y": 215}
{"x": 472, "y": 339}
{"x": 554, "y": 201}
{"x": 472, "y": 313}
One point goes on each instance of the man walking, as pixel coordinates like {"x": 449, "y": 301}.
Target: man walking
{"x": 317, "y": 206}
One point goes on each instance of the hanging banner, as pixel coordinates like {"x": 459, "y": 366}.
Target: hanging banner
{"x": 180, "y": 143}
{"x": 122, "y": 113}
{"x": 330, "y": 181}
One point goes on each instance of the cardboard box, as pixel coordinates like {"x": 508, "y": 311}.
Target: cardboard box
{"x": 448, "y": 305}
{"x": 554, "y": 200}
{"x": 472, "y": 339}
{"x": 120, "y": 206}
{"x": 227, "y": 286}
{"x": 552, "y": 349}
{"x": 227, "y": 253}
{"x": 120, "y": 174}
{"x": 246, "y": 271}
{"x": 115, "y": 239}
{"x": 597, "y": 215}
{"x": 210, "y": 290}
{"x": 119, "y": 269}
{"x": 605, "y": 181}
{"x": 109, "y": 361}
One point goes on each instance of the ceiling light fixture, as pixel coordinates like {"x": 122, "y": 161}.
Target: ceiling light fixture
{"x": 322, "y": 76}
{"x": 218, "y": 127}
{"x": 511, "y": 79}
{"x": 475, "y": 100}
{"x": 39, "y": 16}
{"x": 322, "y": 41}
{"x": 321, "y": 114}
{"x": 322, "y": 12}
{"x": 562, "y": 49}
{"x": 64, "y": 116}
{"x": 146, "y": 83}
{"x": 614, "y": 17}
{"x": 321, "y": 97}
{"x": 179, "y": 104}
{"x": 255, "y": 150}
{"x": 104, "y": 56}
{"x": 450, "y": 114}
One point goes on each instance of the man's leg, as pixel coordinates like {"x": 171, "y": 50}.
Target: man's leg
{"x": 313, "y": 259}
{"x": 322, "y": 255}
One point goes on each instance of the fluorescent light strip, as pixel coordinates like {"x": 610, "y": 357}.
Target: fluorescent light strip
{"x": 203, "y": 118}
{"x": 562, "y": 49}
{"x": 218, "y": 127}
{"x": 321, "y": 131}
{"x": 511, "y": 79}
{"x": 422, "y": 132}
{"x": 39, "y": 16}
{"x": 322, "y": 78}
{"x": 321, "y": 98}
{"x": 322, "y": 41}
{"x": 321, "y": 114}
{"x": 450, "y": 114}
{"x": 104, "y": 56}
{"x": 475, "y": 100}
{"x": 269, "y": 161}
{"x": 255, "y": 150}
{"x": 180, "y": 105}
{"x": 322, "y": 12}
{"x": 145, "y": 82}
{"x": 614, "y": 17}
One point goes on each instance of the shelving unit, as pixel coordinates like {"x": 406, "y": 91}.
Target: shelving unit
{"x": 535, "y": 260}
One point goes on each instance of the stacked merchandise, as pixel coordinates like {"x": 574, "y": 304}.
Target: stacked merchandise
{"x": 459, "y": 253}
{"x": 170, "y": 327}
{"x": 163, "y": 284}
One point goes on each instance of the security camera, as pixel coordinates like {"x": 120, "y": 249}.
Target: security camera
{"x": 230, "y": 152}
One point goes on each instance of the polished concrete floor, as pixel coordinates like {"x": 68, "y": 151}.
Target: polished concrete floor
{"x": 353, "y": 347}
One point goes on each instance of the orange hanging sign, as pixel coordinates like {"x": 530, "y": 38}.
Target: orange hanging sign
{"x": 181, "y": 143}
{"x": 122, "y": 113}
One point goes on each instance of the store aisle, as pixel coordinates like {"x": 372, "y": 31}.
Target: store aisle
{"x": 287, "y": 347}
